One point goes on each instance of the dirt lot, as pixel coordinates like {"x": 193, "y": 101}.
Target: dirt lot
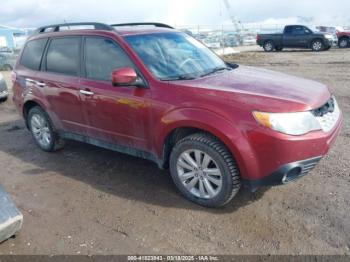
{"x": 85, "y": 200}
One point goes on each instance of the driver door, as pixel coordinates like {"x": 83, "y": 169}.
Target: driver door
{"x": 115, "y": 114}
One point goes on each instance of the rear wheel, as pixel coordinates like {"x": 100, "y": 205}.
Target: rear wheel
{"x": 204, "y": 171}
{"x": 269, "y": 46}
{"x": 317, "y": 45}
{"x": 344, "y": 42}
{"x": 7, "y": 67}
{"x": 42, "y": 131}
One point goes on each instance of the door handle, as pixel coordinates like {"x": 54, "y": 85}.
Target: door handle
{"x": 41, "y": 84}
{"x": 87, "y": 93}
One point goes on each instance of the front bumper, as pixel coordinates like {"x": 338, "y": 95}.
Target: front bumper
{"x": 285, "y": 174}
{"x": 279, "y": 159}
{"x": 331, "y": 42}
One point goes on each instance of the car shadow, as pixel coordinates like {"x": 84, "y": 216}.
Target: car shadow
{"x": 286, "y": 51}
{"x": 108, "y": 171}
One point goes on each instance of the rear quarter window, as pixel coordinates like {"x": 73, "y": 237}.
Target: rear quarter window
{"x": 32, "y": 53}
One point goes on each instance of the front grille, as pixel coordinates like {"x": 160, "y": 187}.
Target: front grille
{"x": 328, "y": 114}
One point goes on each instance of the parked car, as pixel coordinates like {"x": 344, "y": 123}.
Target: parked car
{"x": 295, "y": 36}
{"x": 343, "y": 39}
{"x": 159, "y": 94}
{"x": 3, "y": 89}
{"x": 212, "y": 43}
{"x": 7, "y": 61}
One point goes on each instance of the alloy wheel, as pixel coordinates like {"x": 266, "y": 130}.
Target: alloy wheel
{"x": 199, "y": 173}
{"x": 317, "y": 46}
{"x": 41, "y": 130}
{"x": 343, "y": 43}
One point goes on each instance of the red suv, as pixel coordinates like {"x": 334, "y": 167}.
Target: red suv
{"x": 343, "y": 39}
{"x": 156, "y": 93}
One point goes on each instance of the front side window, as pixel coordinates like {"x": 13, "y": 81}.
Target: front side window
{"x": 63, "y": 56}
{"x": 300, "y": 30}
{"x": 172, "y": 56}
{"x": 102, "y": 57}
{"x": 32, "y": 53}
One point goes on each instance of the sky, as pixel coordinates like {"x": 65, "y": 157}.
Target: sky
{"x": 34, "y": 13}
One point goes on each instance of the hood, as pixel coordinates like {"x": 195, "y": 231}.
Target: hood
{"x": 261, "y": 83}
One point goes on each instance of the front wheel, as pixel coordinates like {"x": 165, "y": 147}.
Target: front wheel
{"x": 204, "y": 171}
{"x": 344, "y": 43}
{"x": 317, "y": 45}
{"x": 42, "y": 131}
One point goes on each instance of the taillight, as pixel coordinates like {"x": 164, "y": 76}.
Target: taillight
{"x": 257, "y": 37}
{"x": 13, "y": 77}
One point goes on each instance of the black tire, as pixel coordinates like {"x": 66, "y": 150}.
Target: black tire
{"x": 317, "y": 45}
{"x": 7, "y": 67}
{"x": 344, "y": 42}
{"x": 279, "y": 48}
{"x": 55, "y": 142}
{"x": 4, "y": 99}
{"x": 269, "y": 46}
{"x": 211, "y": 146}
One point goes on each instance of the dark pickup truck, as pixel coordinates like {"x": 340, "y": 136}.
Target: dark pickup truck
{"x": 296, "y": 36}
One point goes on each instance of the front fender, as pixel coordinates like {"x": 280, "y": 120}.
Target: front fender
{"x": 227, "y": 131}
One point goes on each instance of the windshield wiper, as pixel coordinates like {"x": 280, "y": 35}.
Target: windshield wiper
{"x": 215, "y": 70}
{"x": 180, "y": 77}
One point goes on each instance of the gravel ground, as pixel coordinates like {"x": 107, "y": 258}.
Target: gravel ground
{"x": 86, "y": 200}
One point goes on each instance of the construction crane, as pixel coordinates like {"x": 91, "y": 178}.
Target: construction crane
{"x": 235, "y": 22}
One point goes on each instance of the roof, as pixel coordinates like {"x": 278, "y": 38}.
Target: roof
{"x": 96, "y": 28}
{"x": 139, "y": 30}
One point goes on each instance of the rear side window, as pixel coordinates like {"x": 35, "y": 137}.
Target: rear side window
{"x": 63, "y": 56}
{"x": 102, "y": 57}
{"x": 33, "y": 53}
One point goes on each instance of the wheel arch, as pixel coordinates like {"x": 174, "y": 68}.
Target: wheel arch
{"x": 27, "y": 106}
{"x": 215, "y": 125}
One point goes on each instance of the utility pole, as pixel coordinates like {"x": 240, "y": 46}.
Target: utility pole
{"x": 237, "y": 25}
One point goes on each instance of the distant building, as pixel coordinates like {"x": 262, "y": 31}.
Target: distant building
{"x": 11, "y": 38}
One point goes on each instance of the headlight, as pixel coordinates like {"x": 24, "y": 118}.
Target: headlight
{"x": 298, "y": 123}
{"x": 329, "y": 36}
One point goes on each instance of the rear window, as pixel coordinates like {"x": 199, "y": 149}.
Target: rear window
{"x": 33, "y": 53}
{"x": 63, "y": 56}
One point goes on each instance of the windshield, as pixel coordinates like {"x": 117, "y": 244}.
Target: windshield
{"x": 173, "y": 56}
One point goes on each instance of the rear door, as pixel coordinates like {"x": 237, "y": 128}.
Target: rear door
{"x": 60, "y": 78}
{"x": 27, "y": 71}
{"x": 116, "y": 114}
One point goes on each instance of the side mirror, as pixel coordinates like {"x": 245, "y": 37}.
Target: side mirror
{"x": 125, "y": 76}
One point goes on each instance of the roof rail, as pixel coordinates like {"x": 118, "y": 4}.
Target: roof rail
{"x": 56, "y": 27}
{"x": 137, "y": 24}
